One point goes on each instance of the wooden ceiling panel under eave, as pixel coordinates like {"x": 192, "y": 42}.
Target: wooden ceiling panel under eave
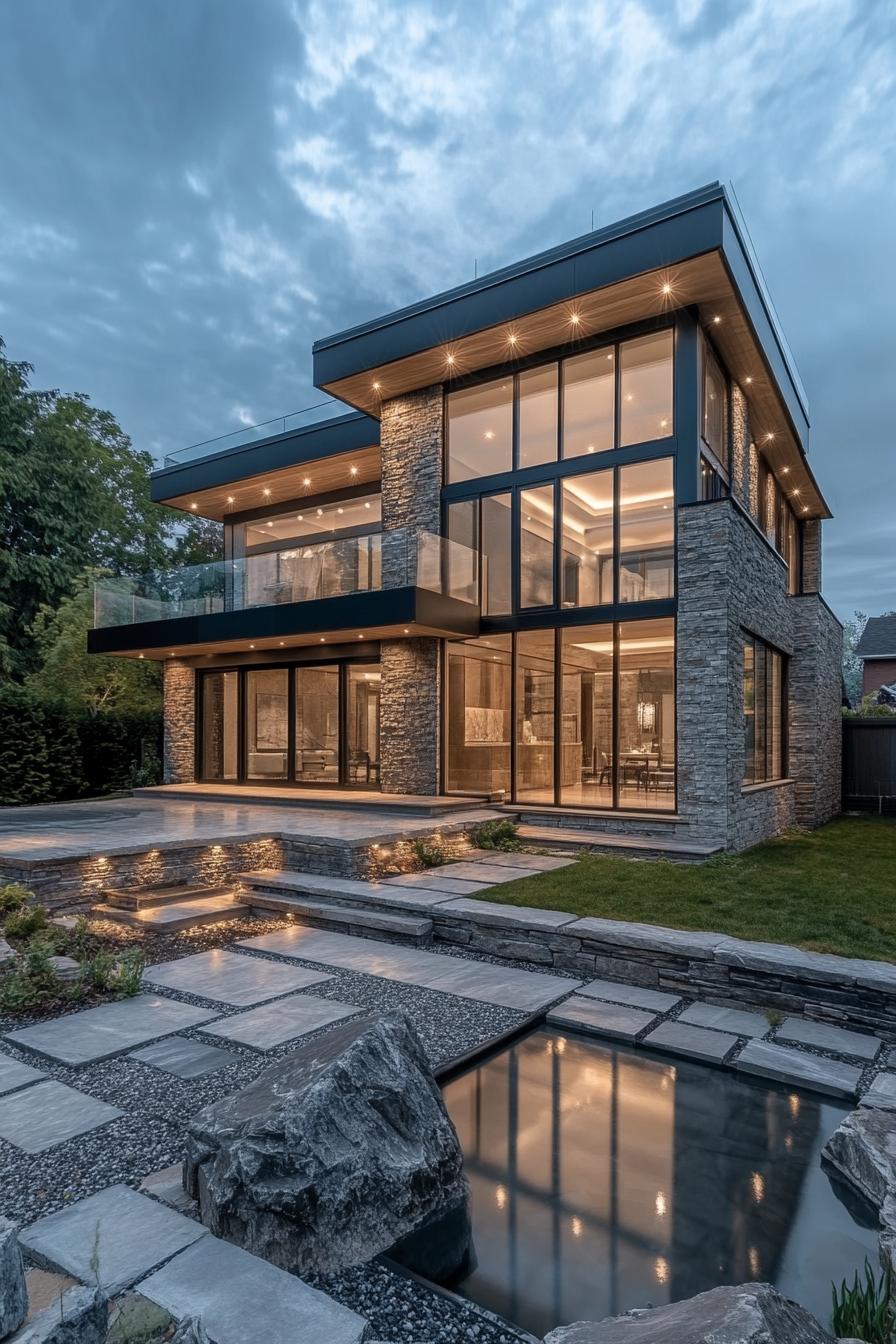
{"x": 702, "y": 282}
{"x": 320, "y": 477}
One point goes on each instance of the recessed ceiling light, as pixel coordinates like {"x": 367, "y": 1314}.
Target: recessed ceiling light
{"x": 282, "y": 642}
{"x": 230, "y": 499}
{"x": 140, "y": 655}
{"x": 512, "y": 338}
{"x": 353, "y": 471}
{"x": 717, "y": 319}
{"x": 574, "y": 319}
{"x": 376, "y": 387}
{"x": 784, "y": 471}
{"x": 367, "y": 504}
{"x": 769, "y": 437}
{"x": 194, "y": 506}
{"x": 805, "y": 508}
{"x": 449, "y": 359}
{"x": 251, "y": 646}
{"x": 307, "y": 480}
{"x": 322, "y": 640}
{"x": 407, "y": 632}
{"x": 667, "y": 288}
{"x": 360, "y": 636}
{"x": 748, "y": 380}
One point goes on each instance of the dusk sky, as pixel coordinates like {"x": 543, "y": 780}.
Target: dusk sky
{"x": 192, "y": 191}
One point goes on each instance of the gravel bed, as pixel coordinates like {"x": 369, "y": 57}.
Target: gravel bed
{"x": 401, "y": 1309}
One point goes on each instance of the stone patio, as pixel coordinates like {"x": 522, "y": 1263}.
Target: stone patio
{"x": 227, "y": 977}
{"x": 15, "y": 1075}
{"x": 184, "y": 1057}
{"x": 276, "y": 1023}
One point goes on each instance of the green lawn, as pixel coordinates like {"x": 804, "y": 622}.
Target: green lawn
{"x": 831, "y": 890}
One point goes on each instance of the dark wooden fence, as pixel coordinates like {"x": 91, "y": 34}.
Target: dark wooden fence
{"x": 869, "y": 765}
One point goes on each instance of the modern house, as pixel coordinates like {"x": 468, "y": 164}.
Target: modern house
{"x": 557, "y": 542}
{"x": 877, "y": 650}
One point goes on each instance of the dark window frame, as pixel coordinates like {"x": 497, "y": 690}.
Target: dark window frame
{"x": 759, "y": 769}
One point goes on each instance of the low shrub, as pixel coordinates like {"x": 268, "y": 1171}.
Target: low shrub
{"x": 429, "y": 851}
{"x": 864, "y": 1311}
{"x": 503, "y": 835}
{"x": 25, "y": 922}
{"x": 12, "y": 897}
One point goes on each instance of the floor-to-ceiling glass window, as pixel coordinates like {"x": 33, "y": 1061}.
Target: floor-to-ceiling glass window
{"x": 267, "y": 724}
{"x": 645, "y": 768}
{"x": 477, "y": 707}
{"x": 535, "y": 716}
{"x": 220, "y": 718}
{"x": 363, "y": 725}
{"x": 495, "y": 532}
{"x": 646, "y": 531}
{"x": 587, "y": 663}
{"x": 537, "y": 546}
{"x": 586, "y": 562}
{"x": 317, "y": 725}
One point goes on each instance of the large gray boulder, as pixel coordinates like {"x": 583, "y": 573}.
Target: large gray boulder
{"x": 752, "y": 1313}
{"x": 340, "y": 1151}
{"x": 863, "y": 1149}
{"x": 13, "y": 1293}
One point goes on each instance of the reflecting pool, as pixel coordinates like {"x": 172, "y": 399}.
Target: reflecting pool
{"x": 605, "y": 1178}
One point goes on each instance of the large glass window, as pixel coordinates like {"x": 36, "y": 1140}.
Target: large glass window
{"x": 317, "y": 725}
{"x": 587, "y": 716}
{"x": 765, "y": 712}
{"x": 480, "y": 430}
{"x": 496, "y": 531}
{"x": 589, "y": 401}
{"x": 646, "y": 531}
{"x": 645, "y": 769}
{"x": 537, "y": 546}
{"x": 535, "y": 716}
{"x": 586, "y": 573}
{"x": 319, "y": 522}
{"x": 220, "y": 710}
{"x": 363, "y": 722}
{"x": 645, "y": 410}
{"x": 715, "y": 406}
{"x": 538, "y": 416}
{"x": 267, "y": 724}
{"x": 478, "y": 716}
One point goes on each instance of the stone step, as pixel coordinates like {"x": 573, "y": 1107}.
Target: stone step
{"x": 176, "y": 917}
{"x": 327, "y": 914}
{"x": 137, "y": 898}
{"x": 635, "y": 846}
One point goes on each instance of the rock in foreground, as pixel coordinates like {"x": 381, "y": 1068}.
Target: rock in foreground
{"x": 863, "y": 1149}
{"x": 13, "y": 1294}
{"x": 340, "y": 1151}
{"x": 752, "y": 1313}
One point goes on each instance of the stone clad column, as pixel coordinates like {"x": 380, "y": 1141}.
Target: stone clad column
{"x": 411, "y": 439}
{"x": 179, "y": 711}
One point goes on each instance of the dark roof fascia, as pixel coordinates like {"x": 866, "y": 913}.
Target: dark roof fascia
{"x": 344, "y": 434}
{"x": 701, "y": 221}
{"x": 878, "y": 639}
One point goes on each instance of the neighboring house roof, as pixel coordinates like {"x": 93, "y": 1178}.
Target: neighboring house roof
{"x": 878, "y": 638}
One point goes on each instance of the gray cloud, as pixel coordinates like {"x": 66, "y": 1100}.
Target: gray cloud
{"x": 193, "y": 190}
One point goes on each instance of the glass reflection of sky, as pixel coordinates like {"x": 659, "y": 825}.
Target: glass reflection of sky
{"x": 604, "y": 1178}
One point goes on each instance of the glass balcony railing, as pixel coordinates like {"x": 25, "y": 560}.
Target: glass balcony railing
{"x": 322, "y": 410}
{"x": 375, "y": 561}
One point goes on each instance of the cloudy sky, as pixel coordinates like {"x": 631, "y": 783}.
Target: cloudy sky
{"x": 191, "y": 191}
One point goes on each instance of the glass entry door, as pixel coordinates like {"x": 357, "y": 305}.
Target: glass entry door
{"x": 363, "y": 724}
{"x": 317, "y": 725}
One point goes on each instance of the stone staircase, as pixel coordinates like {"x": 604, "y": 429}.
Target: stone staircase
{"x": 169, "y": 909}
{"x": 583, "y": 840}
{"x": 366, "y": 909}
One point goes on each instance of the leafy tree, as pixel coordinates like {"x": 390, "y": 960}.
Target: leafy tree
{"x": 199, "y": 541}
{"x": 67, "y": 675}
{"x": 24, "y": 758}
{"x": 852, "y": 663}
{"x": 74, "y": 494}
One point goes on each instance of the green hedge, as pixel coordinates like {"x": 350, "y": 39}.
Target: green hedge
{"x": 49, "y": 754}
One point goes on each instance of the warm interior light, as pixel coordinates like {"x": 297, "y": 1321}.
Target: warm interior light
{"x": 489, "y": 434}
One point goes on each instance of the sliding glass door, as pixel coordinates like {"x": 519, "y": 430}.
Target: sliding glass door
{"x": 314, "y": 724}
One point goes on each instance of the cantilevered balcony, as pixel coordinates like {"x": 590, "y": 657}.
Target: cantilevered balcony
{"x": 401, "y": 581}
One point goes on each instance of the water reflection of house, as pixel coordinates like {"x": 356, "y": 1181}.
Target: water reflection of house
{"x": 603, "y": 1180}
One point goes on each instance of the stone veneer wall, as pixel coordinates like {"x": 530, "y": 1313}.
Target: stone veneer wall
{"x": 179, "y": 709}
{"x": 731, "y": 581}
{"x": 740, "y": 446}
{"x": 411, "y": 437}
{"x": 812, "y": 556}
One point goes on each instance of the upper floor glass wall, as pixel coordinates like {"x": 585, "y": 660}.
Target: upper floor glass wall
{"x": 714, "y": 426}
{"x": 344, "y": 518}
{"x": 614, "y": 396}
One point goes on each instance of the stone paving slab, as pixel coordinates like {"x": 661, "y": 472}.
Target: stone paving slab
{"x": 540, "y": 863}
{"x": 800, "y": 1031}
{"x": 46, "y": 1114}
{"x": 227, "y": 977}
{"x": 275, "y": 1023}
{"x": 694, "y": 1042}
{"x": 240, "y": 1298}
{"x": 111, "y": 1239}
{"x": 648, "y": 937}
{"x": 487, "y": 872}
{"x": 168, "y": 1186}
{"x": 503, "y": 985}
{"x": 636, "y": 996}
{"x": 798, "y": 1068}
{"x": 881, "y": 1093}
{"x": 614, "y": 1021}
{"x": 184, "y": 1057}
{"x": 438, "y": 881}
{"x": 111, "y": 1029}
{"x": 15, "y": 1075}
{"x": 735, "y": 1020}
